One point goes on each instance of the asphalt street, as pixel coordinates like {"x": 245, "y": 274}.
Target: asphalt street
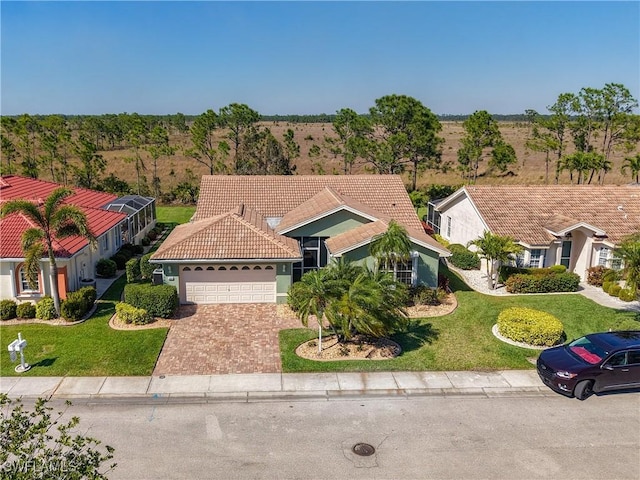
{"x": 433, "y": 437}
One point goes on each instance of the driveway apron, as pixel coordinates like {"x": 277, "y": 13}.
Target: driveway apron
{"x": 220, "y": 339}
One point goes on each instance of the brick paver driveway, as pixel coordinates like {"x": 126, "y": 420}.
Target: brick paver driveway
{"x": 216, "y": 339}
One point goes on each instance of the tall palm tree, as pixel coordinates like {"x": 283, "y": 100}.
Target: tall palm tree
{"x": 391, "y": 247}
{"x": 53, "y": 220}
{"x": 495, "y": 249}
{"x": 629, "y": 251}
{"x": 633, "y": 164}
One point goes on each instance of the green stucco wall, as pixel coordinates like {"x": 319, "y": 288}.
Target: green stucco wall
{"x": 329, "y": 226}
{"x": 283, "y": 281}
{"x": 427, "y": 263}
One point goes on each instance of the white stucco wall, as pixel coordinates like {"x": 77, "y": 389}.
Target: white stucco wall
{"x": 466, "y": 224}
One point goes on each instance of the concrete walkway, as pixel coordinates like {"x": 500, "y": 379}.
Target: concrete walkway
{"x": 599, "y": 296}
{"x": 255, "y": 387}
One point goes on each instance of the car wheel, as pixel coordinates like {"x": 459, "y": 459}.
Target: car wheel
{"x": 583, "y": 389}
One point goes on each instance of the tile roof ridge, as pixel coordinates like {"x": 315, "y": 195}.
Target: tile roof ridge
{"x": 197, "y": 226}
{"x": 268, "y": 233}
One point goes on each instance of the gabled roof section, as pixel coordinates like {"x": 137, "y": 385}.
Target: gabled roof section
{"x": 559, "y": 225}
{"x": 324, "y": 203}
{"x": 14, "y": 187}
{"x": 239, "y": 234}
{"x": 526, "y": 212}
{"x": 364, "y": 234}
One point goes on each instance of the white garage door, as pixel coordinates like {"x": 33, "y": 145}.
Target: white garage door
{"x": 228, "y": 284}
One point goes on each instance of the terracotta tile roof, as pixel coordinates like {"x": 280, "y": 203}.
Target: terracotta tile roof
{"x": 14, "y": 186}
{"x": 11, "y": 228}
{"x": 322, "y": 203}
{"x": 527, "y": 213}
{"x": 238, "y": 234}
{"x": 277, "y": 195}
{"x": 364, "y": 233}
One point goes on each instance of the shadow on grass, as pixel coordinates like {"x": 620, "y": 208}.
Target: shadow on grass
{"x": 45, "y": 362}
{"x": 417, "y": 335}
{"x": 456, "y": 284}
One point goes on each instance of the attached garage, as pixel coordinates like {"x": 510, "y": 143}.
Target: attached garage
{"x": 205, "y": 284}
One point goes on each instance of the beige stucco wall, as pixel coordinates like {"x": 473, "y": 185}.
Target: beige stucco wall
{"x": 466, "y": 223}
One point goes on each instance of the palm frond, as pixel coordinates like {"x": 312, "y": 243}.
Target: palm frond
{"x": 32, "y": 264}
{"x": 31, "y": 237}
{"x": 27, "y": 208}
{"x": 54, "y": 201}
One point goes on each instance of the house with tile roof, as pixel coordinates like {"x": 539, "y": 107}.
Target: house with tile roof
{"x": 251, "y": 237}
{"x": 577, "y": 226}
{"x": 75, "y": 258}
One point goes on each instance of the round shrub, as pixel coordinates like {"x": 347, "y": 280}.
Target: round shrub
{"x": 106, "y": 268}
{"x": 7, "y": 309}
{"x": 606, "y": 285}
{"x": 26, "y": 310}
{"x": 45, "y": 309}
{"x": 152, "y": 235}
{"x": 130, "y": 314}
{"x": 614, "y": 290}
{"x": 89, "y": 294}
{"x": 530, "y": 326}
{"x": 127, "y": 253}
{"x": 138, "y": 249}
{"x": 146, "y": 242}
{"x": 558, "y": 268}
{"x": 120, "y": 260}
{"x": 627, "y": 295}
{"x": 158, "y": 300}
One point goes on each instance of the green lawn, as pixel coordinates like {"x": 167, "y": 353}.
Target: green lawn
{"x": 174, "y": 214}
{"x": 463, "y": 339}
{"x": 91, "y": 348}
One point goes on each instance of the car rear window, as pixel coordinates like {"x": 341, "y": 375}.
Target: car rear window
{"x": 587, "y": 351}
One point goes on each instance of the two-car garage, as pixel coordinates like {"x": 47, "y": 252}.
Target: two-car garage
{"x": 237, "y": 283}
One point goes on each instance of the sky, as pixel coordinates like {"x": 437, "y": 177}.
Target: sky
{"x": 310, "y": 57}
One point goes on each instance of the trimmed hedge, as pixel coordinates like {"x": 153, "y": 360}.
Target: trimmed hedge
{"x": 130, "y": 314}
{"x": 614, "y": 290}
{"x": 159, "y": 300}
{"x": 106, "y": 268}
{"x": 528, "y": 283}
{"x": 530, "y": 326}
{"x": 132, "y": 268}
{"x": 46, "y": 309}
{"x": 463, "y": 258}
{"x": 77, "y": 304}
{"x": 507, "y": 271}
{"x": 146, "y": 268}
{"x": 627, "y": 295}
{"x": 26, "y": 310}
{"x": 7, "y": 309}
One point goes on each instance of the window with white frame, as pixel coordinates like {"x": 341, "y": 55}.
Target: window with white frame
{"x": 105, "y": 242}
{"x": 404, "y": 272}
{"x": 448, "y": 227}
{"x": 536, "y": 258}
{"x": 24, "y": 284}
{"x": 606, "y": 258}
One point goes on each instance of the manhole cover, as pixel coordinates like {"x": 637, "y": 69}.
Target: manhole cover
{"x": 363, "y": 449}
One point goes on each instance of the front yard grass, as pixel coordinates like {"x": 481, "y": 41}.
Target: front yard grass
{"x": 88, "y": 349}
{"x": 463, "y": 340}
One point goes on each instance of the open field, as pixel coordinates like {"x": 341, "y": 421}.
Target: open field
{"x": 529, "y": 169}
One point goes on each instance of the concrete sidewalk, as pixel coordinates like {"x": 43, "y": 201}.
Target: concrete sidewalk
{"x": 255, "y": 387}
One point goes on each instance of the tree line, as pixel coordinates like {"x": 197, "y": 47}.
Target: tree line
{"x": 397, "y": 135}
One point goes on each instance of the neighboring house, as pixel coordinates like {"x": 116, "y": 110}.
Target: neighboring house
{"x": 572, "y": 225}
{"x": 75, "y": 258}
{"x": 253, "y": 236}
{"x": 141, "y": 216}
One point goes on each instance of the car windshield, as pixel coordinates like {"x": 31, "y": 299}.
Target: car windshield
{"x": 586, "y": 350}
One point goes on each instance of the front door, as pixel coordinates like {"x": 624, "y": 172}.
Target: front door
{"x": 565, "y": 255}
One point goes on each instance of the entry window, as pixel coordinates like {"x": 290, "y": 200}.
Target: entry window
{"x": 565, "y": 256}
{"x": 314, "y": 256}
{"x": 403, "y": 271}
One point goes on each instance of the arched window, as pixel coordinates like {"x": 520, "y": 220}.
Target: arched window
{"x": 268, "y": 267}
{"x": 246, "y": 268}
{"x": 257, "y": 267}
{"x": 210, "y": 268}
{"x": 222, "y": 268}
{"x": 198, "y": 269}
{"x": 234, "y": 268}
{"x": 23, "y": 284}
{"x": 186, "y": 269}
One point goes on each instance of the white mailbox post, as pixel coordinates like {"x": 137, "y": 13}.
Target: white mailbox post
{"x": 15, "y": 347}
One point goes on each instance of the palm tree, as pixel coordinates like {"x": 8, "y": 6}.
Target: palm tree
{"x": 495, "y": 249}
{"x": 633, "y": 164}
{"x": 53, "y": 220}
{"x": 310, "y": 296}
{"x": 629, "y": 252}
{"x": 391, "y": 247}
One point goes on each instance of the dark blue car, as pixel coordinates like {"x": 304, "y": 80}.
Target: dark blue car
{"x": 598, "y": 362}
